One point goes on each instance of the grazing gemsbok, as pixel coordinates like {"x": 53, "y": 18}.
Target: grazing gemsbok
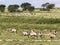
{"x": 25, "y": 33}
{"x": 33, "y": 34}
{"x": 41, "y": 35}
{"x": 53, "y": 34}
{"x": 14, "y": 30}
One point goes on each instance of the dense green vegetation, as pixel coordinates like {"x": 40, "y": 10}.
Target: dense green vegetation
{"x": 29, "y": 19}
{"x": 29, "y": 22}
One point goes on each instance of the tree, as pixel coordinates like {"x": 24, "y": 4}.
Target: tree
{"x": 25, "y": 6}
{"x": 31, "y": 8}
{"x": 44, "y": 5}
{"x": 2, "y": 8}
{"x": 48, "y": 6}
{"x": 13, "y": 8}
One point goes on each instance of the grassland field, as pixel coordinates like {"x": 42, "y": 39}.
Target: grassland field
{"x": 27, "y": 21}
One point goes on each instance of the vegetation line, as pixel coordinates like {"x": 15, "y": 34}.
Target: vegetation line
{"x": 28, "y": 40}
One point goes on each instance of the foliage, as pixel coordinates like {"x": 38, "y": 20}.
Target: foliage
{"x": 31, "y": 20}
{"x": 13, "y": 8}
{"x": 2, "y": 8}
{"x": 48, "y": 6}
{"x": 27, "y": 6}
{"x": 31, "y": 9}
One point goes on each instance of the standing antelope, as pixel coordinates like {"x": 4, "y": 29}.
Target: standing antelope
{"x": 33, "y": 33}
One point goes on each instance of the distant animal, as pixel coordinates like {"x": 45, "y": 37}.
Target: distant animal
{"x": 14, "y": 30}
{"x": 41, "y": 35}
{"x": 33, "y": 34}
{"x": 25, "y": 33}
{"x": 52, "y": 35}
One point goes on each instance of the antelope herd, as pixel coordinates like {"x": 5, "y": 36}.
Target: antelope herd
{"x": 32, "y": 33}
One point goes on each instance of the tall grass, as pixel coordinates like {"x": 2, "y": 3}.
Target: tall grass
{"x": 28, "y": 22}
{"x": 28, "y": 19}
